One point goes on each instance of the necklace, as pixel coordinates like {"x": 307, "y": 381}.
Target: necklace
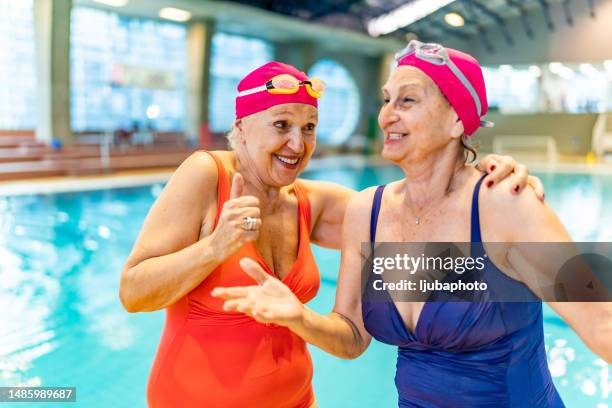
{"x": 417, "y": 220}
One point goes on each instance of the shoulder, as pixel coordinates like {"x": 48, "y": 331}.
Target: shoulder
{"x": 198, "y": 168}
{"x": 326, "y": 190}
{"x": 326, "y": 195}
{"x": 201, "y": 165}
{"x": 322, "y": 190}
{"x": 500, "y": 197}
{"x": 357, "y": 217}
{"x": 360, "y": 205}
{"x": 198, "y": 174}
{"x": 517, "y": 217}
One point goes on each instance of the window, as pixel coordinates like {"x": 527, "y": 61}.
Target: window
{"x": 339, "y": 107}
{"x": 554, "y": 87}
{"x": 17, "y": 65}
{"x": 126, "y": 72}
{"x": 512, "y": 89}
{"x": 576, "y": 87}
{"x": 232, "y": 58}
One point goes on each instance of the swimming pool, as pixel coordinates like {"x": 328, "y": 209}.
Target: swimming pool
{"x": 62, "y": 323}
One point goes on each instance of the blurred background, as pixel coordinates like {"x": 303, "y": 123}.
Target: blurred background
{"x": 101, "y": 99}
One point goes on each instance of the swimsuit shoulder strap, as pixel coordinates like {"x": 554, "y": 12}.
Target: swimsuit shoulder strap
{"x": 475, "y": 235}
{"x": 303, "y": 202}
{"x": 376, "y": 204}
{"x": 223, "y": 184}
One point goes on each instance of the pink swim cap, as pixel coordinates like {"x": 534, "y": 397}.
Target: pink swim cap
{"x": 259, "y": 101}
{"x": 459, "y": 79}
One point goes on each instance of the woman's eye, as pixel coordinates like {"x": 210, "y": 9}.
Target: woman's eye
{"x": 310, "y": 127}
{"x": 281, "y": 124}
{"x": 409, "y": 100}
{"x": 386, "y": 100}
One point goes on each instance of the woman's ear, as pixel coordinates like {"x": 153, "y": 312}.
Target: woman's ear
{"x": 239, "y": 130}
{"x": 457, "y": 129}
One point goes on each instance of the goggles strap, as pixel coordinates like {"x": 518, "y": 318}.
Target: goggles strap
{"x": 252, "y": 90}
{"x": 415, "y": 46}
{"x": 455, "y": 70}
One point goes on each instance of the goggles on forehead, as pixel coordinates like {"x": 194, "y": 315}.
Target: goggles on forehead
{"x": 286, "y": 84}
{"x": 436, "y": 54}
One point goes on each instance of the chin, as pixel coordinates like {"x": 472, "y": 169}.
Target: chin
{"x": 392, "y": 155}
{"x": 282, "y": 180}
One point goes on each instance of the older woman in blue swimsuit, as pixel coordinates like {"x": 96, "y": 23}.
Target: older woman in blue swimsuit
{"x": 450, "y": 354}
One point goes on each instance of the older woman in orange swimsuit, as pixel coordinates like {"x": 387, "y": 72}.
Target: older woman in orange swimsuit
{"x": 221, "y": 207}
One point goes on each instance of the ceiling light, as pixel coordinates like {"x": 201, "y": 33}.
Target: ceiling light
{"x": 112, "y": 3}
{"x": 153, "y": 111}
{"x": 404, "y": 15}
{"x": 174, "y": 14}
{"x": 505, "y": 68}
{"x": 454, "y": 19}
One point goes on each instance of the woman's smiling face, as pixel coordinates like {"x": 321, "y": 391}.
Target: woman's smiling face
{"x": 416, "y": 118}
{"x": 279, "y": 141}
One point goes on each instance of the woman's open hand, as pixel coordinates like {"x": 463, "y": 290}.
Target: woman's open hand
{"x": 270, "y": 301}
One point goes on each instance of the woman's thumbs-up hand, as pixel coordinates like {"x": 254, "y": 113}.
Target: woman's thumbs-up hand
{"x": 239, "y": 221}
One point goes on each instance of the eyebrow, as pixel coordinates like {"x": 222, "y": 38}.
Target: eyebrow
{"x": 411, "y": 85}
{"x": 313, "y": 116}
{"x": 283, "y": 112}
{"x": 404, "y": 87}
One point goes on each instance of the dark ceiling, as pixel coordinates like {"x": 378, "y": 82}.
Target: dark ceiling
{"x": 479, "y": 15}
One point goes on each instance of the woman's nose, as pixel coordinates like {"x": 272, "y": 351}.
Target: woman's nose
{"x": 296, "y": 140}
{"x": 387, "y": 115}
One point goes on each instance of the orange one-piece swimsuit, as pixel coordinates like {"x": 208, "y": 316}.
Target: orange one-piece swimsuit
{"x": 211, "y": 358}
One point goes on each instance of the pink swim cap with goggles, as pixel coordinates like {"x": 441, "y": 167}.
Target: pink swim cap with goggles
{"x": 457, "y": 74}
{"x": 273, "y": 84}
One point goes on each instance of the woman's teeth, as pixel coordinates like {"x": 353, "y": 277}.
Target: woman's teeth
{"x": 286, "y": 159}
{"x": 395, "y": 136}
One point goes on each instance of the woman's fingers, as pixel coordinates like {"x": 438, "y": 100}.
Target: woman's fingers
{"x": 239, "y": 220}
{"x": 500, "y": 167}
{"x": 254, "y": 270}
{"x": 231, "y": 305}
{"x": 237, "y": 186}
{"x": 502, "y": 170}
{"x": 244, "y": 201}
{"x": 519, "y": 179}
{"x": 242, "y": 305}
{"x": 537, "y": 186}
{"x": 488, "y": 163}
{"x": 233, "y": 292}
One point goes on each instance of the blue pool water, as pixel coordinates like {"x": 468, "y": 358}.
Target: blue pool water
{"x": 62, "y": 324}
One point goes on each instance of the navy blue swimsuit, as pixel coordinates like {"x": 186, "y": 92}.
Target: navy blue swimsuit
{"x": 466, "y": 354}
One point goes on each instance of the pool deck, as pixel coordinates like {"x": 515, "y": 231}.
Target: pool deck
{"x": 133, "y": 178}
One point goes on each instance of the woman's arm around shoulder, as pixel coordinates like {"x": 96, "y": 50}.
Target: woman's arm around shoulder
{"x": 342, "y": 332}
{"x": 522, "y": 219}
{"x": 328, "y": 203}
{"x": 356, "y": 231}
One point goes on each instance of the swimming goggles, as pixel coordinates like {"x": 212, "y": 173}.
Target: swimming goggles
{"x": 436, "y": 54}
{"x": 286, "y": 84}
